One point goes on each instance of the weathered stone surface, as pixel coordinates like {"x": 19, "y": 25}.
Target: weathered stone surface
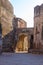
{"x": 7, "y": 5}
{"x": 19, "y": 23}
{"x": 12, "y": 29}
{"x": 6, "y": 16}
{"x": 21, "y": 32}
{"x": 38, "y": 27}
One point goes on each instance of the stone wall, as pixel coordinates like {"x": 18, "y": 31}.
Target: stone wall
{"x": 6, "y": 16}
{"x": 38, "y": 26}
{"x": 20, "y": 29}
{"x": 19, "y": 23}
{"x": 11, "y": 28}
{"x": 8, "y": 41}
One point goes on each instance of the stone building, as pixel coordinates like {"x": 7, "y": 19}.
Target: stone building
{"x": 38, "y": 27}
{"x": 24, "y": 38}
{"x": 16, "y": 36}
{"x": 6, "y": 16}
{"x": 22, "y": 35}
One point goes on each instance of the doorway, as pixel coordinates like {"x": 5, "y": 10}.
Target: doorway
{"x": 31, "y": 42}
{"x": 22, "y": 44}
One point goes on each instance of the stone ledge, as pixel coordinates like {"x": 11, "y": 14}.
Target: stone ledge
{"x": 36, "y": 51}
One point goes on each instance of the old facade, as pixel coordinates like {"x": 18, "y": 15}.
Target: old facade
{"x": 22, "y": 35}
{"x": 38, "y": 27}
{"x": 6, "y": 16}
{"x": 16, "y": 36}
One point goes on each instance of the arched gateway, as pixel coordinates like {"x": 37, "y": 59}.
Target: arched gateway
{"x": 22, "y": 43}
{"x": 22, "y": 37}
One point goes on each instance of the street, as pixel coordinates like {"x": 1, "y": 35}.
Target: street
{"x": 21, "y": 59}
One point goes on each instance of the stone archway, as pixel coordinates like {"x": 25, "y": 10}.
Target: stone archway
{"x": 22, "y": 44}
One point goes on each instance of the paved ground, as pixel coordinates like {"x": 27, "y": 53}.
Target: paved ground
{"x": 21, "y": 59}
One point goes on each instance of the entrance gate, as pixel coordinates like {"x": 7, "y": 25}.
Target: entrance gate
{"x": 22, "y": 44}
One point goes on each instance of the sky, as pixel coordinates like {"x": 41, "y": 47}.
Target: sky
{"x": 25, "y": 9}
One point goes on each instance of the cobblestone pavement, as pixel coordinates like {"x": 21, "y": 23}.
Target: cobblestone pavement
{"x": 21, "y": 59}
